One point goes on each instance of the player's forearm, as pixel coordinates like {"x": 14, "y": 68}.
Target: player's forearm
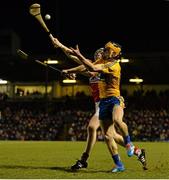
{"x": 88, "y": 64}
{"x": 68, "y": 53}
{"x": 65, "y": 49}
{"x": 77, "y": 69}
{"x": 85, "y": 73}
{"x": 74, "y": 58}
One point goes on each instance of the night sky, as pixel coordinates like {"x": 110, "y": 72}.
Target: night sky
{"x": 139, "y": 26}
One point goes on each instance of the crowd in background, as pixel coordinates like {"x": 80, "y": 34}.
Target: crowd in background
{"x": 146, "y": 113}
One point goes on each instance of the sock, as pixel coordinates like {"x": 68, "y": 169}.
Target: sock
{"x": 116, "y": 160}
{"x": 127, "y": 140}
{"x": 84, "y": 157}
{"x": 137, "y": 151}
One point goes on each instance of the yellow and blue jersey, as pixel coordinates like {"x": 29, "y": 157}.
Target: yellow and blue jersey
{"x": 109, "y": 84}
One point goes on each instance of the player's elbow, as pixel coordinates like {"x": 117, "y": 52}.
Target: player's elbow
{"x": 92, "y": 69}
{"x": 95, "y": 69}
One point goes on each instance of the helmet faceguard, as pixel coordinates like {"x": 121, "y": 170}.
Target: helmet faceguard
{"x": 115, "y": 47}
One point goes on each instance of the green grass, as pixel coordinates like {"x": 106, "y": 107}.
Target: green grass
{"x": 51, "y": 160}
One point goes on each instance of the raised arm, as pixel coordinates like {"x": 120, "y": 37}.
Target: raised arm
{"x": 65, "y": 49}
{"x": 87, "y": 63}
{"x": 79, "y": 69}
{"x": 76, "y": 69}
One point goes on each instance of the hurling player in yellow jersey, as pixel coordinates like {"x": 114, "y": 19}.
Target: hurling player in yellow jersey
{"x": 109, "y": 93}
{"x": 94, "y": 122}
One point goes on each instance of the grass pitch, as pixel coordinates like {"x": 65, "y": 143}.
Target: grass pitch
{"x": 52, "y": 160}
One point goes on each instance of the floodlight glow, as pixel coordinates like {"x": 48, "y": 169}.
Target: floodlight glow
{"x": 3, "y": 81}
{"x": 136, "y": 80}
{"x": 51, "y": 62}
{"x": 69, "y": 81}
{"x": 124, "y": 60}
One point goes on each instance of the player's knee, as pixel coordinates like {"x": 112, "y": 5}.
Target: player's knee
{"x": 114, "y": 134}
{"x": 107, "y": 137}
{"x": 118, "y": 121}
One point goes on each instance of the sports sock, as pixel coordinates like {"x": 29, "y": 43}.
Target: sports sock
{"x": 84, "y": 157}
{"x": 117, "y": 160}
{"x": 137, "y": 151}
{"x": 127, "y": 140}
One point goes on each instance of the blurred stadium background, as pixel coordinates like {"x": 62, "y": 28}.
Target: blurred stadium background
{"x": 35, "y": 104}
{"x": 36, "y": 97}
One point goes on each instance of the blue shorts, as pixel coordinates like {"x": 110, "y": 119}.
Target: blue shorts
{"x": 106, "y": 107}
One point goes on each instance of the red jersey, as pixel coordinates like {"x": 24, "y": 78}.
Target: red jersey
{"x": 93, "y": 82}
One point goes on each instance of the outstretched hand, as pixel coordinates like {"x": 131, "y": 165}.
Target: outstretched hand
{"x": 56, "y": 42}
{"x": 76, "y": 51}
{"x": 68, "y": 75}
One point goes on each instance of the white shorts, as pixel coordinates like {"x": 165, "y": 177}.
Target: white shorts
{"x": 97, "y": 108}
